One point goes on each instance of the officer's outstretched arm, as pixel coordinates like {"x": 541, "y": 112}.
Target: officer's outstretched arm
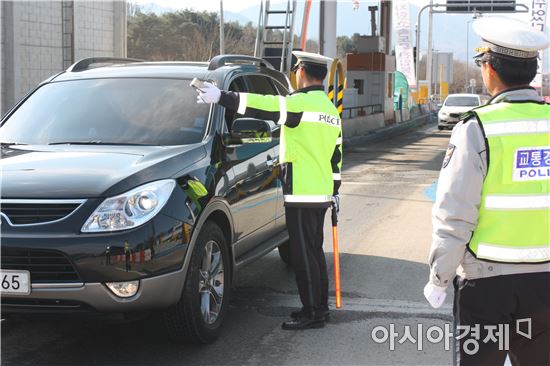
{"x": 281, "y": 110}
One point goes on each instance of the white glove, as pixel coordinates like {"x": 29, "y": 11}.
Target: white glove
{"x": 336, "y": 202}
{"x": 208, "y": 93}
{"x": 435, "y": 295}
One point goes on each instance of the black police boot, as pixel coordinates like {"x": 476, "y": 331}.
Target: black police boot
{"x": 323, "y": 313}
{"x": 303, "y": 322}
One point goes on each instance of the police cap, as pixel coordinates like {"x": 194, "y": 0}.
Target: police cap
{"x": 509, "y": 38}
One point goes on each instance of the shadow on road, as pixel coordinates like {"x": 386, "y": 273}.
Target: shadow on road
{"x": 260, "y": 302}
{"x": 416, "y": 142}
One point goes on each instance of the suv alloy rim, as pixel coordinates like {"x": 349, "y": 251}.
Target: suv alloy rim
{"x": 211, "y": 282}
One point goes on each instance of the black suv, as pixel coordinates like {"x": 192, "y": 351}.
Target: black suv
{"x": 120, "y": 193}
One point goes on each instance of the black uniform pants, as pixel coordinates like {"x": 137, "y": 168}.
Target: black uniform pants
{"x": 305, "y": 229}
{"x": 495, "y": 302}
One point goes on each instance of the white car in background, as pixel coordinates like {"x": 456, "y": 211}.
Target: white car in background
{"x": 453, "y": 107}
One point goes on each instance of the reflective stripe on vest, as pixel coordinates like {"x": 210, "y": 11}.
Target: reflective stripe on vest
{"x": 307, "y": 198}
{"x": 514, "y": 215}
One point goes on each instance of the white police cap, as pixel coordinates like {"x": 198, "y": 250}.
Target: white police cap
{"x": 508, "y": 37}
{"x": 312, "y": 58}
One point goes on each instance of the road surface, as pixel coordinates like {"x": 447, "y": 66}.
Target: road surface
{"x": 384, "y": 242}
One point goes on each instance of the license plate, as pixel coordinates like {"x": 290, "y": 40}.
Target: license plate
{"x": 15, "y": 282}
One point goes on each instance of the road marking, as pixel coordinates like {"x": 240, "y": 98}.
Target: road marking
{"x": 431, "y": 190}
{"x": 358, "y": 304}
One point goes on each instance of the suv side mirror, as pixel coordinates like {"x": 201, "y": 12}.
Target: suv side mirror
{"x": 249, "y": 131}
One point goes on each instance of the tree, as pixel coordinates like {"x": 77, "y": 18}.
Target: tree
{"x": 461, "y": 79}
{"x": 185, "y": 35}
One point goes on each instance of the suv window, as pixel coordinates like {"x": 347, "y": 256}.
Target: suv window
{"x": 261, "y": 85}
{"x": 282, "y": 87}
{"x": 251, "y": 84}
{"x": 237, "y": 85}
{"x": 117, "y": 111}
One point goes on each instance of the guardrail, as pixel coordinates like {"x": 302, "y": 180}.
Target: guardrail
{"x": 363, "y": 110}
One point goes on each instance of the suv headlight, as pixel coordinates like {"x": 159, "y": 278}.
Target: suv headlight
{"x": 131, "y": 209}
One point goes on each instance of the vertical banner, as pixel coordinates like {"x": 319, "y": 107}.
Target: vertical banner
{"x": 537, "y": 17}
{"x": 403, "y": 47}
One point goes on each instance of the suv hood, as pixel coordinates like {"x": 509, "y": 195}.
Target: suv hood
{"x": 87, "y": 171}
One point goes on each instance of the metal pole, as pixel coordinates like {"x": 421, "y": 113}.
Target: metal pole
{"x": 475, "y": 16}
{"x": 520, "y": 6}
{"x": 321, "y": 27}
{"x": 330, "y": 18}
{"x": 418, "y": 48}
{"x": 222, "y": 40}
{"x": 467, "y": 54}
{"x": 259, "y": 33}
{"x": 429, "y": 60}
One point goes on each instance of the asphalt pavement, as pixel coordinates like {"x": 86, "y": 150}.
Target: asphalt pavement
{"x": 385, "y": 233}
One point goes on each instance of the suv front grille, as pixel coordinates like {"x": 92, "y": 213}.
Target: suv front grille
{"x": 36, "y": 213}
{"x": 45, "y": 266}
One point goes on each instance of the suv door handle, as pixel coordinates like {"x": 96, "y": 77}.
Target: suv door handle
{"x": 271, "y": 162}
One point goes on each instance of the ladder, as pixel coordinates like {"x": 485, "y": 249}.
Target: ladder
{"x": 277, "y": 52}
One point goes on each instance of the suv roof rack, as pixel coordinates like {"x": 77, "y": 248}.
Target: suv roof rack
{"x": 86, "y": 63}
{"x": 223, "y": 60}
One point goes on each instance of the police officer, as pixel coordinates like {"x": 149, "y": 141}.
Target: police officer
{"x": 311, "y": 159}
{"x": 491, "y": 215}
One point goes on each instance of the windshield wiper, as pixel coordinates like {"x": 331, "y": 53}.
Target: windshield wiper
{"x": 95, "y": 142}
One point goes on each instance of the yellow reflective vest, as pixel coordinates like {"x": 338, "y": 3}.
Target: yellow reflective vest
{"x": 311, "y": 142}
{"x": 514, "y": 216}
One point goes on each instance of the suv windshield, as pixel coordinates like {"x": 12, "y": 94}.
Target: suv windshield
{"x": 462, "y": 102}
{"x": 105, "y": 111}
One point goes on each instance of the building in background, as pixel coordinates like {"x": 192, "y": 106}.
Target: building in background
{"x": 442, "y": 73}
{"x": 41, "y": 38}
{"x": 370, "y": 71}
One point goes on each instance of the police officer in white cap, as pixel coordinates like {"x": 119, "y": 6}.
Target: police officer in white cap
{"x": 311, "y": 159}
{"x": 491, "y": 217}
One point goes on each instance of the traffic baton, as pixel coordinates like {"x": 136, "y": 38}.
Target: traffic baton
{"x": 336, "y": 257}
{"x": 336, "y": 70}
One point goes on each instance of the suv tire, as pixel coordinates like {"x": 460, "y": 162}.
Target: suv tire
{"x": 197, "y": 318}
{"x": 284, "y": 253}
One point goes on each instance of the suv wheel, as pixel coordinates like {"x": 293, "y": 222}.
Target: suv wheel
{"x": 199, "y": 314}
{"x": 284, "y": 252}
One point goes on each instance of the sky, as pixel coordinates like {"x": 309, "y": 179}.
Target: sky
{"x": 236, "y": 5}
{"x": 240, "y": 5}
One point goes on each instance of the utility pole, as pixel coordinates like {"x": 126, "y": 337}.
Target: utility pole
{"x": 327, "y": 36}
{"x": 222, "y": 36}
{"x": 429, "y": 60}
{"x": 476, "y": 15}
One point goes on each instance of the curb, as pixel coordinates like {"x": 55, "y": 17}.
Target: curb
{"x": 391, "y": 131}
